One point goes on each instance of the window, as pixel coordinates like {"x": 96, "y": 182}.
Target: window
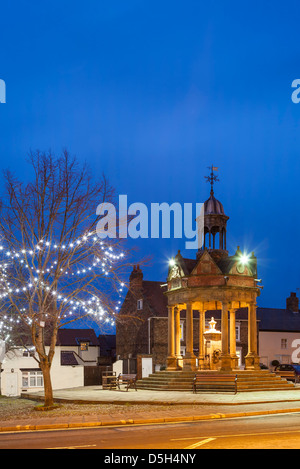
{"x": 284, "y": 343}
{"x": 84, "y": 346}
{"x": 28, "y": 352}
{"x": 140, "y": 304}
{"x": 283, "y": 358}
{"x": 32, "y": 379}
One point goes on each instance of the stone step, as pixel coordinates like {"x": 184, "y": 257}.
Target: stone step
{"x": 174, "y": 374}
{"x": 219, "y": 389}
{"x": 190, "y": 378}
{"x": 240, "y": 383}
{"x": 250, "y": 380}
{"x": 242, "y": 380}
{"x": 169, "y": 380}
{"x": 239, "y": 376}
{"x": 165, "y": 383}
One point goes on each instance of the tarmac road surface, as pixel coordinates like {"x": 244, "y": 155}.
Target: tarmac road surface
{"x": 280, "y": 431}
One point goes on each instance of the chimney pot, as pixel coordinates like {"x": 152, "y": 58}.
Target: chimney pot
{"x": 292, "y": 303}
{"x": 136, "y": 277}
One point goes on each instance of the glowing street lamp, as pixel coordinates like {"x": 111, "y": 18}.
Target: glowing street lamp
{"x": 244, "y": 259}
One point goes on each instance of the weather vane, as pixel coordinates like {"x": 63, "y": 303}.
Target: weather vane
{"x": 212, "y": 178}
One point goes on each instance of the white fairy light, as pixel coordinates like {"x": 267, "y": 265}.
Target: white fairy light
{"x": 104, "y": 263}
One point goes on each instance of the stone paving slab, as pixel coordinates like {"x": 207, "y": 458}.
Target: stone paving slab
{"x": 95, "y": 394}
{"x": 202, "y": 406}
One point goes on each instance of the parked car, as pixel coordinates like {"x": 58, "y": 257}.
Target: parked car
{"x": 263, "y": 366}
{"x": 290, "y": 372}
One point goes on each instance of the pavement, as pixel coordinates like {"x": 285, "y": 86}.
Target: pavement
{"x": 170, "y": 407}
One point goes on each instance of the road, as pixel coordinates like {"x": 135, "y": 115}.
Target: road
{"x": 264, "y": 432}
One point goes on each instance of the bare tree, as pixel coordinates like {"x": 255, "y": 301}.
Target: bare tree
{"x": 54, "y": 268}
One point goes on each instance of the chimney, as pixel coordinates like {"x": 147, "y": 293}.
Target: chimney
{"x": 136, "y": 278}
{"x": 292, "y": 303}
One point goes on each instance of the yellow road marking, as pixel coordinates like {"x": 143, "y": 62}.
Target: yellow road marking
{"x": 199, "y": 443}
{"x": 71, "y": 447}
{"x": 281, "y": 432}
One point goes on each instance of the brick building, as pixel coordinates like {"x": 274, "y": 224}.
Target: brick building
{"x": 143, "y": 313}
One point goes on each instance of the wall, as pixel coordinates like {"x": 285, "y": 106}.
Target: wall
{"x": 118, "y": 367}
{"x": 66, "y": 376}
{"x": 270, "y": 347}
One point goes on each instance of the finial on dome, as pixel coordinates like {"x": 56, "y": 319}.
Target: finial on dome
{"x": 212, "y": 178}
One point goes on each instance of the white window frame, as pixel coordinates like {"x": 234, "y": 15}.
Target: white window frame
{"x": 84, "y": 346}
{"x": 283, "y": 344}
{"x": 32, "y": 377}
{"x": 139, "y": 304}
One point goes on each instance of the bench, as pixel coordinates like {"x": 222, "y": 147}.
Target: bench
{"x": 109, "y": 380}
{"x": 288, "y": 375}
{"x": 128, "y": 379}
{"x": 215, "y": 382}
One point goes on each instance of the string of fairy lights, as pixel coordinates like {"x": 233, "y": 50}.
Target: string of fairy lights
{"x": 34, "y": 277}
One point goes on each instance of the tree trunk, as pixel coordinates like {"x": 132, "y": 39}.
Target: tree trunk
{"x": 47, "y": 385}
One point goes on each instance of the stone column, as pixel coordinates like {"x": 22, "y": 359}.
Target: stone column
{"x": 177, "y": 337}
{"x": 225, "y": 356}
{"x": 234, "y": 357}
{"x": 171, "y": 360}
{"x": 252, "y": 358}
{"x": 189, "y": 360}
{"x": 201, "y": 357}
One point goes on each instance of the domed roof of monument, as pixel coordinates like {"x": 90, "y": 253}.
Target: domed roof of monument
{"x": 212, "y": 206}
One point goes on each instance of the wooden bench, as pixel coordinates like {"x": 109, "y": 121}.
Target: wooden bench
{"x": 109, "y": 380}
{"x": 128, "y": 379}
{"x": 215, "y": 382}
{"x": 288, "y": 375}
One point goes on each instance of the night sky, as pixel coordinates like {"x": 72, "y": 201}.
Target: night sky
{"x": 152, "y": 93}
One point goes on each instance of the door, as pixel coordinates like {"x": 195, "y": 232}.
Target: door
{"x": 11, "y": 388}
{"x": 146, "y": 367}
{"x": 92, "y": 375}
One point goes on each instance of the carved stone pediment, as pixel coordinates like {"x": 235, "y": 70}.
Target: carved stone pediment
{"x": 175, "y": 272}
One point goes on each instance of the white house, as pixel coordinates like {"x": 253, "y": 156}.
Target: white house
{"x": 279, "y": 333}
{"x": 76, "y": 349}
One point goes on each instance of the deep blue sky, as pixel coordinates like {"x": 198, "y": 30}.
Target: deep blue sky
{"x": 151, "y": 93}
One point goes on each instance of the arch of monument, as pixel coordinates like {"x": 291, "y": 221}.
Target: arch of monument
{"x": 225, "y": 298}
